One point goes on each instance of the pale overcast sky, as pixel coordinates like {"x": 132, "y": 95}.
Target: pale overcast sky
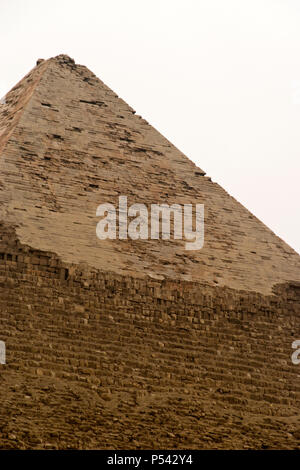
{"x": 220, "y": 79}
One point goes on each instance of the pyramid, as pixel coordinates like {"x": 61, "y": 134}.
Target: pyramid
{"x": 68, "y": 144}
{"x": 137, "y": 343}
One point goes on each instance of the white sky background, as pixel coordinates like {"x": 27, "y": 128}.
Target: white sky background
{"x": 220, "y": 79}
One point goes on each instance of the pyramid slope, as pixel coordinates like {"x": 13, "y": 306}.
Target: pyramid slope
{"x": 77, "y": 145}
{"x": 14, "y": 102}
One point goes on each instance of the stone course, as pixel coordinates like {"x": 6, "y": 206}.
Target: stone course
{"x": 99, "y": 360}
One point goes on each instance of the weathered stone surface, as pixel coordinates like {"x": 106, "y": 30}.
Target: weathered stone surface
{"x": 76, "y": 145}
{"x": 125, "y": 344}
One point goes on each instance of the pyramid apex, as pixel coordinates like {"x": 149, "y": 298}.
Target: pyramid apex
{"x": 63, "y": 59}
